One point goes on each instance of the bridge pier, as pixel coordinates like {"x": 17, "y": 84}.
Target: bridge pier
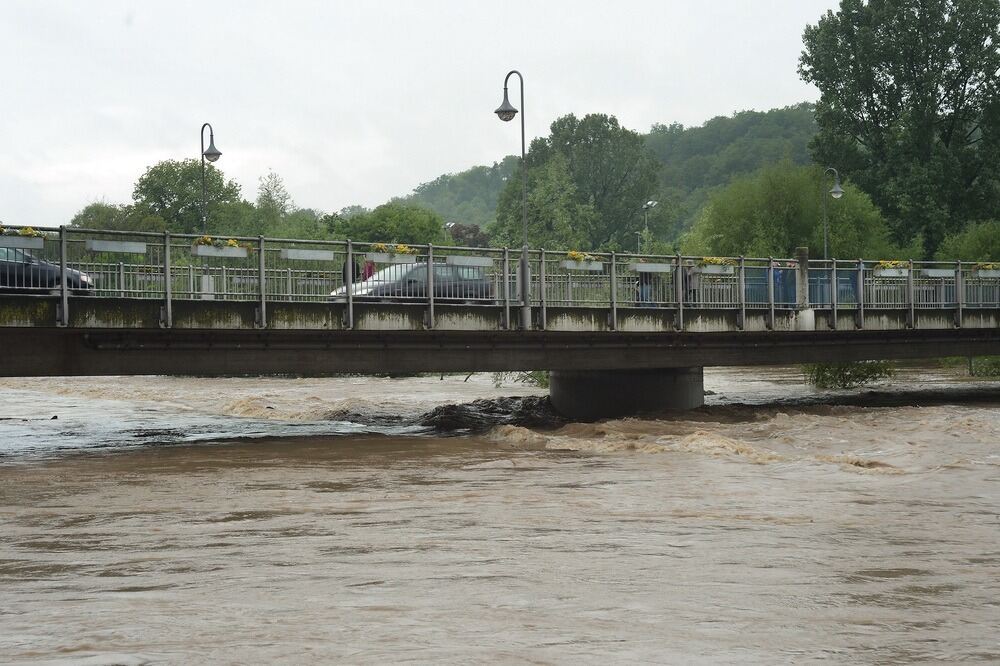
{"x": 589, "y": 395}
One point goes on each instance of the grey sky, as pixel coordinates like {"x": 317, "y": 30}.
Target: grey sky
{"x": 355, "y": 102}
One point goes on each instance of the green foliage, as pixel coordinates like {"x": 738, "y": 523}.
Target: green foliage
{"x": 468, "y": 235}
{"x": 909, "y": 108}
{"x": 539, "y": 378}
{"x": 779, "y": 208}
{"x": 468, "y": 197}
{"x": 847, "y": 375}
{"x": 977, "y": 242}
{"x": 394, "y": 222}
{"x": 698, "y": 159}
{"x": 985, "y": 366}
{"x": 596, "y": 175}
{"x": 171, "y": 190}
{"x": 556, "y": 218}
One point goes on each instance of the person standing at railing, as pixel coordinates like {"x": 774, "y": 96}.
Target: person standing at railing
{"x": 354, "y": 276}
{"x": 368, "y": 270}
{"x": 645, "y": 289}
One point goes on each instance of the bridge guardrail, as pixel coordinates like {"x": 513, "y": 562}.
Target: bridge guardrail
{"x": 153, "y": 265}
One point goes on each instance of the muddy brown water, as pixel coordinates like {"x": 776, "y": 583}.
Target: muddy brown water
{"x": 795, "y": 529}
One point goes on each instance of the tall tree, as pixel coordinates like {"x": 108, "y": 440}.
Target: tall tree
{"x": 910, "y": 107}
{"x": 273, "y": 203}
{"x": 393, "y": 222}
{"x": 171, "y": 190}
{"x": 611, "y": 171}
{"x": 779, "y": 208}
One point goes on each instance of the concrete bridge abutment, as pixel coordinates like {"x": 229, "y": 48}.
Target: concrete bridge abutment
{"x": 589, "y": 395}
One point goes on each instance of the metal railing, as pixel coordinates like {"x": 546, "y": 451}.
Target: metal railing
{"x": 169, "y": 267}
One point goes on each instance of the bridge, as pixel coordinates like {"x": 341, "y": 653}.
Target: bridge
{"x": 621, "y": 332}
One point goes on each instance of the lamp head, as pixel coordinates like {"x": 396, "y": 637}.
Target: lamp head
{"x": 836, "y": 191}
{"x": 649, "y": 204}
{"x": 212, "y": 153}
{"x": 506, "y": 111}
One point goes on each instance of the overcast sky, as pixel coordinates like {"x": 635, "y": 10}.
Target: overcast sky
{"x": 355, "y": 102}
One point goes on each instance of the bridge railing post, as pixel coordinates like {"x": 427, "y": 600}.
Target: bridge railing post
{"x": 741, "y": 297}
{"x": 911, "y": 321}
{"x": 262, "y": 283}
{"x": 614, "y": 293}
{"x": 541, "y": 290}
{"x": 959, "y": 294}
{"x": 349, "y": 285}
{"x": 860, "y": 319}
{"x": 430, "y": 286}
{"x": 63, "y": 287}
{"x": 506, "y": 288}
{"x": 679, "y": 289}
{"x": 168, "y": 312}
{"x": 834, "y": 293}
{"x": 770, "y": 293}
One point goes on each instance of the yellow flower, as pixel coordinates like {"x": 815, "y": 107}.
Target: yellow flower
{"x": 404, "y": 249}
{"x": 892, "y": 263}
{"x": 576, "y": 255}
{"x": 28, "y": 231}
{"x": 204, "y": 240}
{"x": 988, "y": 266}
{"x": 232, "y": 243}
{"x": 717, "y": 261}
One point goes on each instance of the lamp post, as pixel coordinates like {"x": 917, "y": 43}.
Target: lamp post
{"x": 506, "y": 112}
{"x": 638, "y": 240}
{"x": 211, "y": 154}
{"x": 836, "y": 192}
{"x": 645, "y": 209}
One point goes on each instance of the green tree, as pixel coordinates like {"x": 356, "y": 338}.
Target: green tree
{"x": 556, "y": 218}
{"x": 910, "y": 107}
{"x": 171, "y": 190}
{"x": 273, "y": 202}
{"x": 611, "y": 170}
{"x": 393, "y": 222}
{"x": 977, "y": 242}
{"x": 779, "y": 208}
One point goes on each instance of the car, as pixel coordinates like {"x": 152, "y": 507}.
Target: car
{"x": 408, "y": 282}
{"x": 22, "y": 273}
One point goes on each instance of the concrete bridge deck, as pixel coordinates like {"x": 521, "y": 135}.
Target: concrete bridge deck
{"x": 640, "y": 325}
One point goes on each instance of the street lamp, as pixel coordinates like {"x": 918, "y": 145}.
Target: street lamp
{"x": 211, "y": 154}
{"x": 836, "y": 192}
{"x": 645, "y": 209}
{"x": 506, "y": 113}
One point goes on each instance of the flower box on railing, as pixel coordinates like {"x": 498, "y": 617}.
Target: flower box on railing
{"x": 121, "y": 247}
{"x": 937, "y": 272}
{"x": 387, "y": 258}
{"x": 651, "y": 268}
{"x": 986, "y": 273}
{"x": 582, "y": 265}
{"x": 892, "y": 272}
{"x": 477, "y": 262}
{"x": 23, "y": 242}
{"x": 216, "y": 251}
{"x": 715, "y": 269}
{"x": 306, "y": 255}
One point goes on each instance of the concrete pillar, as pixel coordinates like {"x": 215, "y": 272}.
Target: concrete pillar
{"x": 589, "y": 395}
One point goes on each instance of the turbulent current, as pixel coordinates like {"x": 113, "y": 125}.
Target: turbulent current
{"x": 182, "y": 520}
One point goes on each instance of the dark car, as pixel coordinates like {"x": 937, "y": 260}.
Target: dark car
{"x": 22, "y": 273}
{"x": 404, "y": 282}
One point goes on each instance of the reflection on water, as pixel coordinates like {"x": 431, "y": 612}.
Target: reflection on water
{"x": 783, "y": 531}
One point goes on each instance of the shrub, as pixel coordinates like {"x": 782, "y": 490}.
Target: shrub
{"x": 847, "y": 375}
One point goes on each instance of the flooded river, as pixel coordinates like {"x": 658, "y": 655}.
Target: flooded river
{"x": 178, "y": 520}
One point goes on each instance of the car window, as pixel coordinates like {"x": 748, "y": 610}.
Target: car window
{"x": 418, "y": 274}
{"x": 443, "y": 273}
{"x": 3, "y": 254}
{"x": 470, "y": 273}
